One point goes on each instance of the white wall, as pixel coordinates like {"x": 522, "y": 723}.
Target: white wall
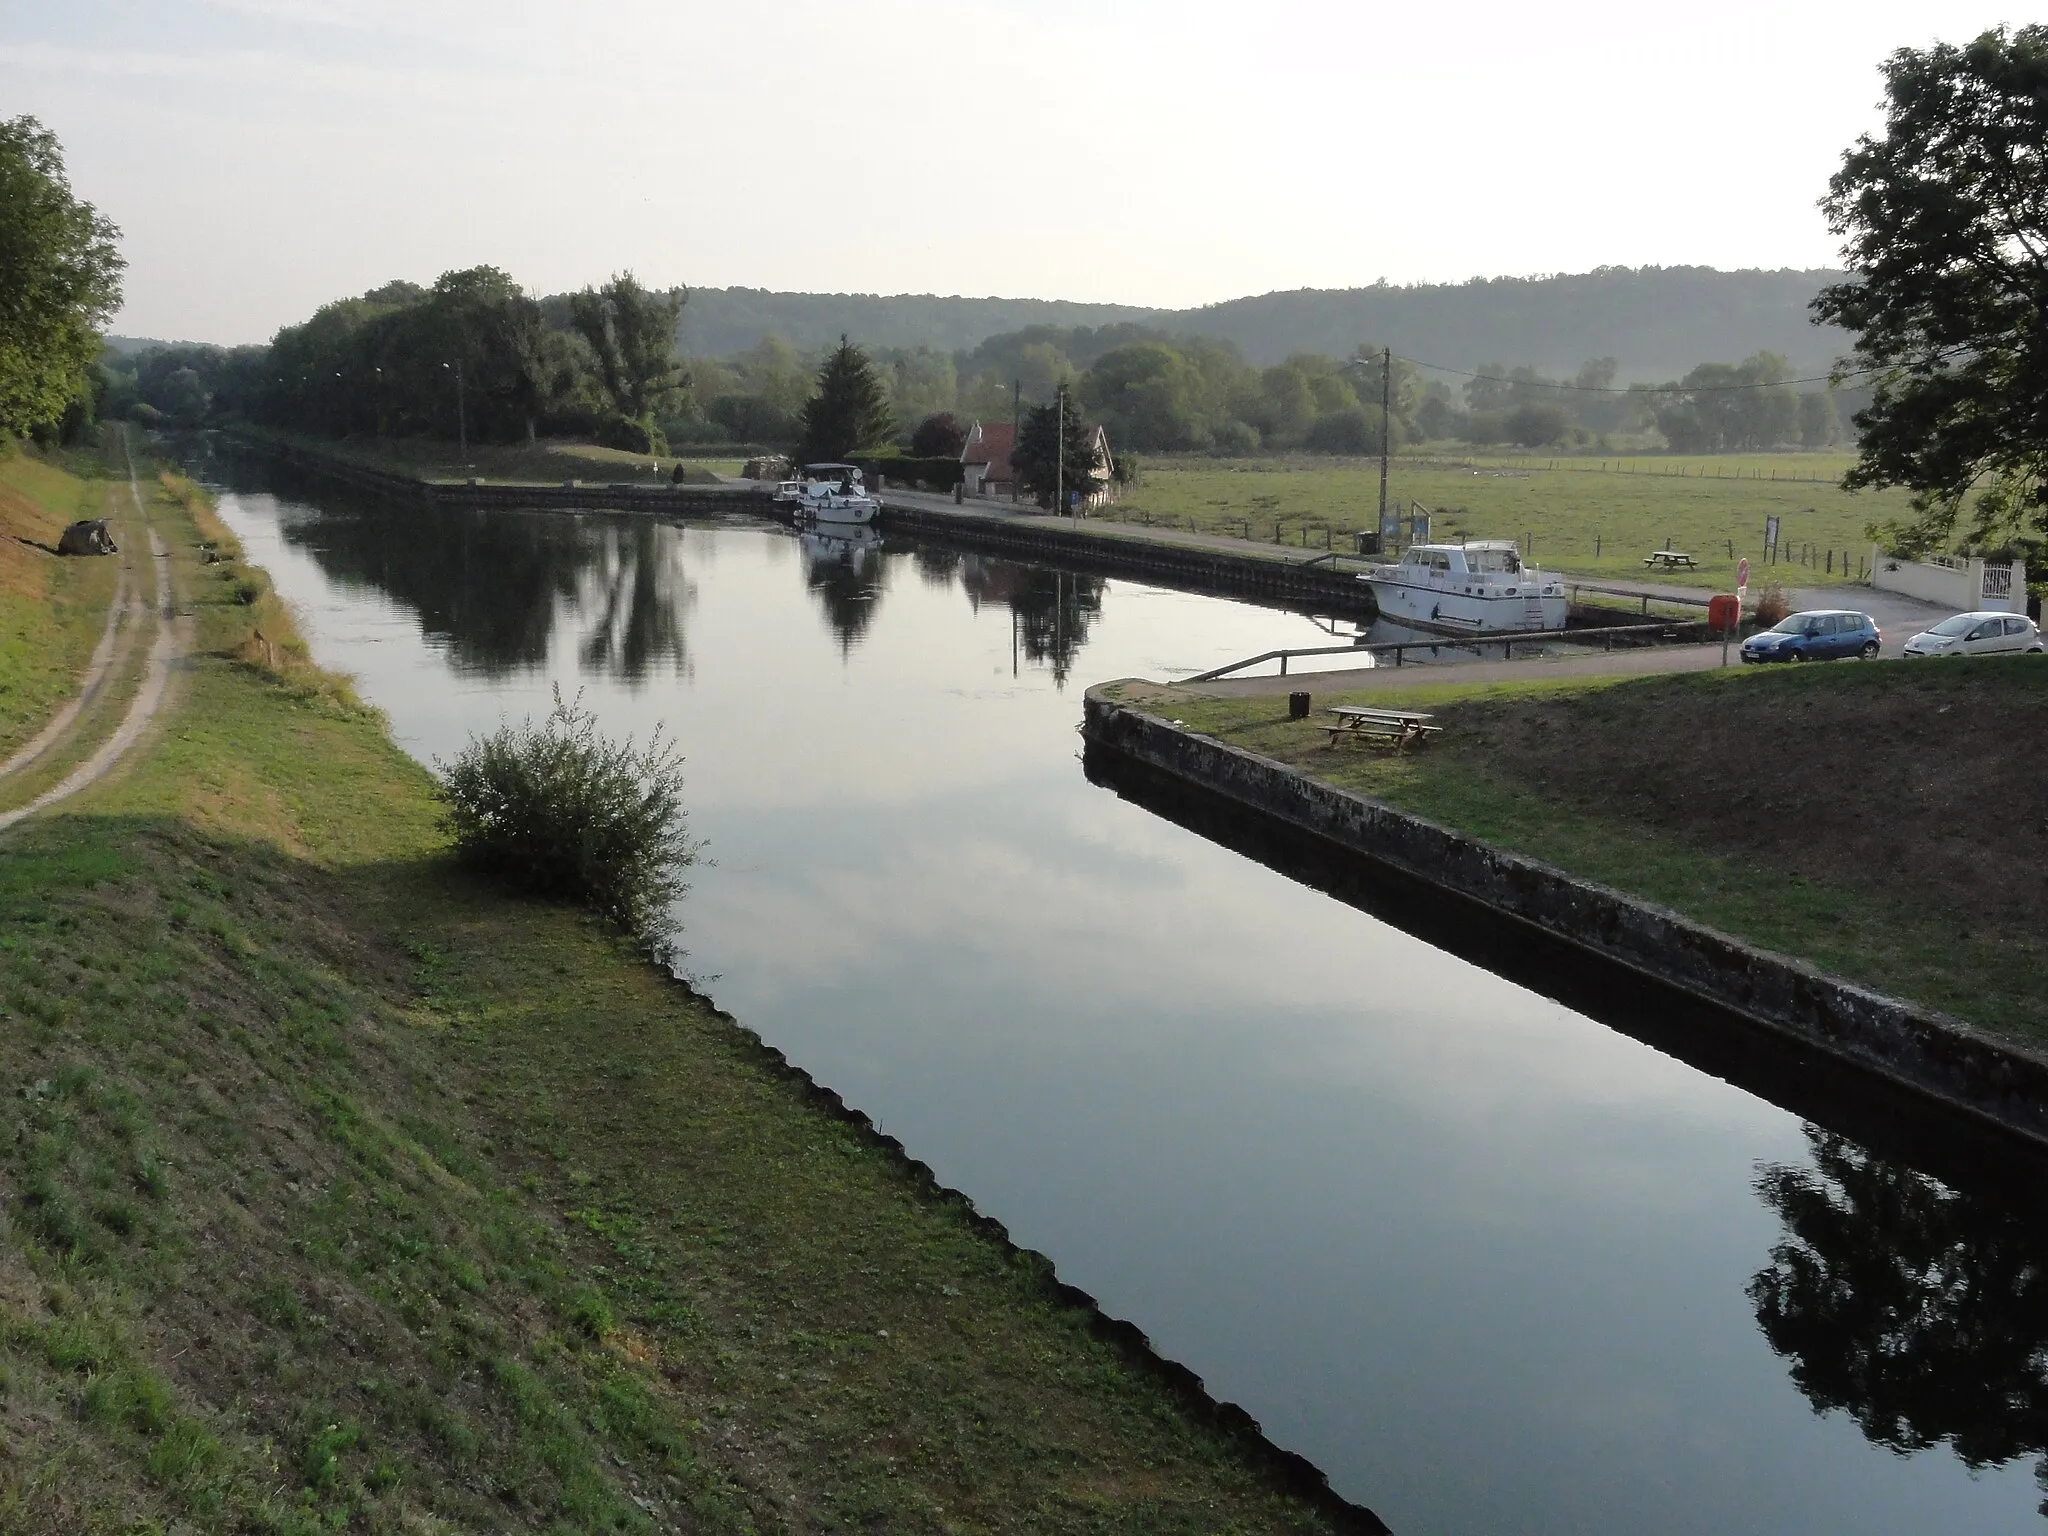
{"x": 1960, "y": 587}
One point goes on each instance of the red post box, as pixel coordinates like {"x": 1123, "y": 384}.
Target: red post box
{"x": 1724, "y": 612}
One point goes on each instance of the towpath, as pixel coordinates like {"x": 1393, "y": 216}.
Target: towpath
{"x": 173, "y": 639}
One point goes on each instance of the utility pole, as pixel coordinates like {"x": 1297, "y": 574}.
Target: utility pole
{"x": 1016, "y": 427}
{"x": 1386, "y": 426}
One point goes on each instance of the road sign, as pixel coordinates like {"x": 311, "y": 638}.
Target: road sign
{"x": 1742, "y": 574}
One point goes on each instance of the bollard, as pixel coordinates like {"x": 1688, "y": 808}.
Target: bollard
{"x": 1297, "y": 706}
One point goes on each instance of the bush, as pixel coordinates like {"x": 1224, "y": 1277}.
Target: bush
{"x": 633, "y": 436}
{"x": 560, "y": 811}
{"x": 1235, "y": 440}
{"x": 1771, "y": 603}
{"x": 1346, "y": 431}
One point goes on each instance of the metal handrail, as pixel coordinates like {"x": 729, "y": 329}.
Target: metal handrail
{"x": 1506, "y": 640}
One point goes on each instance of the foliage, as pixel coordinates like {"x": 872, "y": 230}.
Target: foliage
{"x": 1351, "y": 431}
{"x": 386, "y": 363}
{"x": 1946, "y": 223}
{"x": 631, "y": 333}
{"x": 939, "y": 472}
{"x": 1056, "y": 451}
{"x": 1535, "y": 424}
{"x": 60, "y": 278}
{"x": 1772, "y": 603}
{"x": 1721, "y": 407}
{"x": 850, "y": 409}
{"x": 566, "y": 813}
{"x": 939, "y": 435}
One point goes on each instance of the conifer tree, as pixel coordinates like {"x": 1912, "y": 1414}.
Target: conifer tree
{"x": 850, "y": 410}
{"x": 1038, "y": 461}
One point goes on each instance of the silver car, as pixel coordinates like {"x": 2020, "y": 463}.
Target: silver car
{"x": 1977, "y": 634}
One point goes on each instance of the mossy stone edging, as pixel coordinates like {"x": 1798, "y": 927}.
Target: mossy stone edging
{"x": 1295, "y": 1475}
{"x": 1915, "y": 1047}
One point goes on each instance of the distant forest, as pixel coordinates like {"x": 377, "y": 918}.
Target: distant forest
{"x": 1685, "y": 358}
{"x": 1655, "y": 322}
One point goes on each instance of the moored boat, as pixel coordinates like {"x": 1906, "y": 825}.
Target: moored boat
{"x": 1477, "y": 588}
{"x": 835, "y": 493}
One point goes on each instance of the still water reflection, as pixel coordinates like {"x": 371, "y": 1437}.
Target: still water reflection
{"x": 1491, "y": 1264}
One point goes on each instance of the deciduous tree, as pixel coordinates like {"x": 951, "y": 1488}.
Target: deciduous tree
{"x": 631, "y": 332}
{"x": 60, "y": 278}
{"x": 1945, "y": 222}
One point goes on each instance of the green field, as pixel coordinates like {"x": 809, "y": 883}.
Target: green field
{"x": 1587, "y": 516}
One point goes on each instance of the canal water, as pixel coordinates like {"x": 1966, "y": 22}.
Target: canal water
{"x": 1491, "y": 1264}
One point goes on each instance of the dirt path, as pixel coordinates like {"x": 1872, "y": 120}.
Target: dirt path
{"x": 172, "y": 642}
{"x": 127, "y": 605}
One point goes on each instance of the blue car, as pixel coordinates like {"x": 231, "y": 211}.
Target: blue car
{"x": 1819, "y": 634}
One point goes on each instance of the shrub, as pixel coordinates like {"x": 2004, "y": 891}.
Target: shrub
{"x": 560, "y": 811}
{"x": 1771, "y": 603}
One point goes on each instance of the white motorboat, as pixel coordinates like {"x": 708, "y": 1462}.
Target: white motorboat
{"x": 835, "y": 493}
{"x": 787, "y": 493}
{"x": 1479, "y": 588}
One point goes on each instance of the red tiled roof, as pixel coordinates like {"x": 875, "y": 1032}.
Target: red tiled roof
{"x": 993, "y": 446}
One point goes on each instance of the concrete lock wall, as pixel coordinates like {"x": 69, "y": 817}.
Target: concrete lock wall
{"x": 1992, "y": 1081}
{"x": 1958, "y": 584}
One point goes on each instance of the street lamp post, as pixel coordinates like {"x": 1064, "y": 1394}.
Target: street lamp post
{"x": 461, "y": 408}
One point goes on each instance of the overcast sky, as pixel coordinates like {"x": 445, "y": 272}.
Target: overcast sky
{"x": 263, "y": 156}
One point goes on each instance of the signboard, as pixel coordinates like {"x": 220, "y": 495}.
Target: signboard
{"x": 1770, "y": 538}
{"x": 1418, "y": 528}
{"x": 1390, "y": 526}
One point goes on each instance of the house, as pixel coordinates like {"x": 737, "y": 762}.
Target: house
{"x": 985, "y": 459}
{"x": 986, "y": 469}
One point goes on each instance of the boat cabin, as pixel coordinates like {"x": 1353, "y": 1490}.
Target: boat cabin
{"x": 845, "y": 478}
{"x": 1489, "y": 557}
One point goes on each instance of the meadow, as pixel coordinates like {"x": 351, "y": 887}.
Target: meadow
{"x": 1586, "y": 516}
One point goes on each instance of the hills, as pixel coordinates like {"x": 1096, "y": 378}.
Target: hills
{"x": 1657, "y": 322}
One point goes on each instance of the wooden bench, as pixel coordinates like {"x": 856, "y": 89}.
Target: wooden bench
{"x": 1397, "y": 727}
{"x": 1670, "y": 560}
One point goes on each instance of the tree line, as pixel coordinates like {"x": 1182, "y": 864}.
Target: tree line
{"x": 1181, "y": 394}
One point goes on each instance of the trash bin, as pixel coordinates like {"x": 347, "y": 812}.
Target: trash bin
{"x": 1297, "y": 706}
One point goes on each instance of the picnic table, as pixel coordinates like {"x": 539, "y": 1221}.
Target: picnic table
{"x": 1670, "y": 560}
{"x": 1396, "y": 726}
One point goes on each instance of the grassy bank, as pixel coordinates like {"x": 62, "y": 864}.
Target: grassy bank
{"x": 1879, "y": 820}
{"x": 344, "y": 1193}
{"x": 1589, "y": 516}
{"x": 544, "y": 463}
{"x": 53, "y": 610}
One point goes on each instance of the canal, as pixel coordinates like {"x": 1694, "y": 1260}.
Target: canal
{"x": 1490, "y": 1263}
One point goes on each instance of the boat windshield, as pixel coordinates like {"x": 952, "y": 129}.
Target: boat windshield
{"x": 1493, "y": 560}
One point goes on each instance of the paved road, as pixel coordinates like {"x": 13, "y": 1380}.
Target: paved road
{"x": 1636, "y": 663}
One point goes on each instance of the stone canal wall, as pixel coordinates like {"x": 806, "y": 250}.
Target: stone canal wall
{"x": 1130, "y": 553}
{"x": 621, "y": 496}
{"x": 1911, "y": 1046}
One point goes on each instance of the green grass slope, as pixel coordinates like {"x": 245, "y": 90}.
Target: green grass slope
{"x": 338, "y": 1191}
